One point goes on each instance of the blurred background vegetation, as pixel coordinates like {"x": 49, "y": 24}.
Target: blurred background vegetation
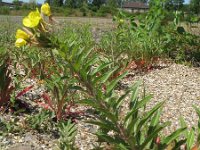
{"x": 98, "y": 8}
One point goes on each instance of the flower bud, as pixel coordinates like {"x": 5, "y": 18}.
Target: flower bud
{"x": 45, "y": 9}
{"x": 21, "y": 34}
{"x": 20, "y": 42}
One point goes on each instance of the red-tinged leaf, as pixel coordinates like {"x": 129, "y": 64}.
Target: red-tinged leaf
{"x": 131, "y": 65}
{"x": 142, "y": 62}
{"x": 24, "y": 91}
{"x": 48, "y": 100}
{"x": 44, "y": 106}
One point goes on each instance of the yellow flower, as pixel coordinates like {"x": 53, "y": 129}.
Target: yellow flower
{"x": 21, "y": 34}
{"x": 20, "y": 42}
{"x": 32, "y": 20}
{"x": 45, "y": 9}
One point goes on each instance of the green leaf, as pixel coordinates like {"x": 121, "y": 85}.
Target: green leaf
{"x": 108, "y": 114}
{"x": 107, "y": 138}
{"x": 197, "y": 110}
{"x": 77, "y": 88}
{"x": 184, "y": 125}
{"x": 99, "y": 68}
{"x": 87, "y": 53}
{"x": 144, "y": 101}
{"x": 139, "y": 105}
{"x": 120, "y": 99}
{"x": 113, "y": 83}
{"x": 148, "y": 115}
{"x": 131, "y": 125}
{"x": 154, "y": 134}
{"x": 122, "y": 147}
{"x": 83, "y": 56}
{"x": 89, "y": 102}
{"x": 135, "y": 90}
{"x": 105, "y": 124}
{"x": 155, "y": 119}
{"x": 67, "y": 131}
{"x": 90, "y": 62}
{"x": 179, "y": 144}
{"x": 190, "y": 138}
{"x": 106, "y": 76}
{"x": 166, "y": 141}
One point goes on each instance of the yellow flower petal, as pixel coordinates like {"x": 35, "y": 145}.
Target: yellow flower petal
{"x": 35, "y": 15}
{"x": 20, "y": 42}
{"x": 45, "y": 9}
{"x": 32, "y": 20}
{"x": 21, "y": 34}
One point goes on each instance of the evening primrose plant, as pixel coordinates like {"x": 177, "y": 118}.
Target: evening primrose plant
{"x": 88, "y": 74}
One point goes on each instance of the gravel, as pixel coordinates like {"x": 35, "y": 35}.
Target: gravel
{"x": 177, "y": 85}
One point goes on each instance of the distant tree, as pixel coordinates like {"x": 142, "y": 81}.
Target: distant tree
{"x": 186, "y": 8}
{"x": 174, "y": 4}
{"x": 16, "y": 2}
{"x": 56, "y": 2}
{"x": 32, "y": 4}
{"x": 178, "y": 4}
{"x": 75, "y": 3}
{"x": 70, "y": 3}
{"x": 169, "y": 5}
{"x": 98, "y": 3}
{"x": 143, "y": 1}
{"x": 112, "y": 3}
{"x": 195, "y": 6}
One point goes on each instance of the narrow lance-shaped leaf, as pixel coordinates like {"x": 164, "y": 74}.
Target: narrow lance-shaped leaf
{"x": 105, "y": 77}
{"x": 90, "y": 63}
{"x": 184, "y": 125}
{"x": 122, "y": 147}
{"x": 148, "y": 116}
{"x": 155, "y": 119}
{"x": 104, "y": 124}
{"x": 120, "y": 99}
{"x": 154, "y": 134}
{"x": 179, "y": 144}
{"x": 166, "y": 141}
{"x": 113, "y": 83}
{"x": 190, "y": 138}
{"x": 197, "y": 110}
{"x": 99, "y": 68}
{"x": 135, "y": 91}
{"x": 134, "y": 109}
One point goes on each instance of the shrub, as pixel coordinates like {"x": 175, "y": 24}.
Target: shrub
{"x": 104, "y": 10}
{"x": 4, "y": 10}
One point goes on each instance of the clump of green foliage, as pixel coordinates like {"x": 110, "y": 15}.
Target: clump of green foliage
{"x": 74, "y": 71}
{"x": 147, "y": 38}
